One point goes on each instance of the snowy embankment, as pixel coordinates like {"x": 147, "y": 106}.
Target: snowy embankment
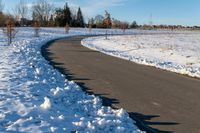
{"x": 34, "y": 97}
{"x": 178, "y": 53}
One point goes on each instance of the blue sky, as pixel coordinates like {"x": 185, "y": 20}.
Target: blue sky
{"x": 184, "y": 12}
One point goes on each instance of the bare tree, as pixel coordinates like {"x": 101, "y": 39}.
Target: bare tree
{"x": 21, "y": 10}
{"x": 10, "y": 31}
{"x": 67, "y": 28}
{"x": 90, "y": 28}
{"x": 42, "y": 11}
{"x": 98, "y": 20}
{"x": 107, "y": 22}
{"x": 36, "y": 27}
{"x": 1, "y": 6}
{"x": 124, "y": 26}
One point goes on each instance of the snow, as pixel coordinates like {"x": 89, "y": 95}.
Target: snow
{"x": 178, "y": 52}
{"x": 36, "y": 98}
{"x": 46, "y": 104}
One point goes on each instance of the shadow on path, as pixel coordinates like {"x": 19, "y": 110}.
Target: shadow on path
{"x": 142, "y": 120}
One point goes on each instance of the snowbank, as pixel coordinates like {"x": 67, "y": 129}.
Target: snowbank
{"x": 178, "y": 53}
{"x": 36, "y": 98}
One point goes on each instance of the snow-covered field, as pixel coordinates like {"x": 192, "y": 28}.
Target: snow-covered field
{"x": 178, "y": 53}
{"x": 36, "y": 98}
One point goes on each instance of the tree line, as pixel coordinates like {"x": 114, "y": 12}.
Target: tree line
{"x": 44, "y": 12}
{"x": 47, "y": 15}
{"x": 100, "y": 21}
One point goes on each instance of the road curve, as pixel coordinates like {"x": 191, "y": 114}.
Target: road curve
{"x": 158, "y": 100}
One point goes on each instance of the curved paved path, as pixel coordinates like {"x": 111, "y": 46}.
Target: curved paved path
{"x": 158, "y": 100}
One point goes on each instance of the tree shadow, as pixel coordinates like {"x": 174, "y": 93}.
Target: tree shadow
{"x": 143, "y": 121}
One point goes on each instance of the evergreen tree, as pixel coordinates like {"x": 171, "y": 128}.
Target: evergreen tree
{"x": 51, "y": 21}
{"x": 63, "y": 16}
{"x": 79, "y": 20}
{"x": 67, "y": 15}
{"x": 73, "y": 21}
{"x": 59, "y": 19}
{"x": 134, "y": 25}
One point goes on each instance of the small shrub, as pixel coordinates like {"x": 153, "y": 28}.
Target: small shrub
{"x": 90, "y": 28}
{"x": 10, "y": 31}
{"x": 36, "y": 27}
{"x": 67, "y": 28}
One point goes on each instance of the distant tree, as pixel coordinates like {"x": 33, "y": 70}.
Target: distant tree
{"x": 2, "y": 15}
{"x": 67, "y": 28}
{"x": 91, "y": 23}
{"x": 73, "y": 16}
{"x": 42, "y": 11}
{"x": 1, "y": 6}
{"x": 63, "y": 16}
{"x": 73, "y": 22}
{"x": 124, "y": 26}
{"x": 90, "y": 28}
{"x": 10, "y": 31}
{"x": 134, "y": 25}
{"x": 21, "y": 10}
{"x": 36, "y": 26}
{"x": 51, "y": 21}
{"x": 98, "y": 20}
{"x": 67, "y": 14}
{"x": 3, "y": 18}
{"x": 59, "y": 19}
{"x": 107, "y": 20}
{"x": 116, "y": 23}
{"x": 80, "y": 20}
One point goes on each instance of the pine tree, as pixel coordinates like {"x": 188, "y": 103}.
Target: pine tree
{"x": 63, "y": 16}
{"x": 51, "y": 21}
{"x": 59, "y": 19}
{"x": 67, "y": 15}
{"x": 134, "y": 25}
{"x": 79, "y": 20}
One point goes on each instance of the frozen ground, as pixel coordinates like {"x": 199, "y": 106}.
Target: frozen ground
{"x": 178, "y": 53}
{"x": 36, "y": 98}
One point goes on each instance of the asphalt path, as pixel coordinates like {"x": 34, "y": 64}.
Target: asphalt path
{"x": 158, "y": 100}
